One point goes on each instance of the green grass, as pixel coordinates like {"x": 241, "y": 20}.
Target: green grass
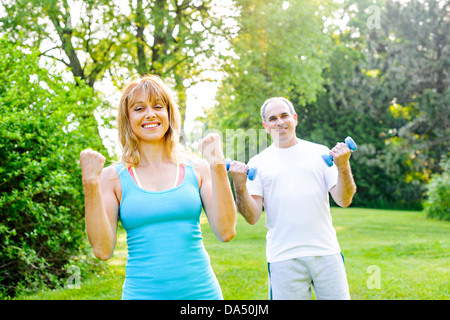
{"x": 412, "y": 254}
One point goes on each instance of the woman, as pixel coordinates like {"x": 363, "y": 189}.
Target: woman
{"x": 158, "y": 196}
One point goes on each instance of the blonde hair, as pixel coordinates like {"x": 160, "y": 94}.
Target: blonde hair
{"x": 156, "y": 90}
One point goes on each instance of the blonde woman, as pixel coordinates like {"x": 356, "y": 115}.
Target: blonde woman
{"x": 158, "y": 195}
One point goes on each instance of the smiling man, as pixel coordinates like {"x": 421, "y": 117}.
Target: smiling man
{"x": 292, "y": 184}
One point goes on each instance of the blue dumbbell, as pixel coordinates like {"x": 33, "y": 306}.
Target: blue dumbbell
{"x": 350, "y": 144}
{"x": 251, "y": 173}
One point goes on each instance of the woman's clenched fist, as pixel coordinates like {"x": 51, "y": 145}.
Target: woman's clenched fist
{"x": 92, "y": 164}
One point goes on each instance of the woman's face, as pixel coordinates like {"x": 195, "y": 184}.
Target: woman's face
{"x": 149, "y": 119}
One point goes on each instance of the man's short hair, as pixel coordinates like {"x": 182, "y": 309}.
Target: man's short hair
{"x": 263, "y": 107}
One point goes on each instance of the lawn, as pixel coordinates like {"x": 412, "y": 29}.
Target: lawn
{"x": 388, "y": 255}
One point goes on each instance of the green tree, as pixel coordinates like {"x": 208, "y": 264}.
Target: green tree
{"x": 120, "y": 40}
{"x": 384, "y": 87}
{"x": 45, "y": 124}
{"x": 383, "y": 80}
{"x": 176, "y": 40}
{"x": 88, "y": 46}
{"x": 408, "y": 54}
{"x": 437, "y": 203}
{"x": 280, "y": 50}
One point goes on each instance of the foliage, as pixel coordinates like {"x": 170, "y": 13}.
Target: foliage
{"x": 121, "y": 40}
{"x": 280, "y": 50}
{"x": 270, "y": 61}
{"x": 412, "y": 53}
{"x": 386, "y": 86}
{"x": 174, "y": 39}
{"x": 45, "y": 123}
{"x": 437, "y": 204}
{"x": 87, "y": 47}
{"x": 354, "y": 103}
{"x": 407, "y": 57}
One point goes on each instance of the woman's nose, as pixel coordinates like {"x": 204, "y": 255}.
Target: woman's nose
{"x": 150, "y": 114}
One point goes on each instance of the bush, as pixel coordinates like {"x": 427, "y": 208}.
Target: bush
{"x": 45, "y": 123}
{"x": 437, "y": 204}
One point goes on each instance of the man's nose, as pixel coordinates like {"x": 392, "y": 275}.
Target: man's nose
{"x": 279, "y": 122}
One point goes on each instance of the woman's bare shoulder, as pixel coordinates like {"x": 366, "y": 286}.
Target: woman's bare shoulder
{"x": 198, "y": 163}
{"x": 110, "y": 172}
{"x": 111, "y": 182}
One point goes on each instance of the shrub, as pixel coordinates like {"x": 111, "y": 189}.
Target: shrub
{"x": 45, "y": 122}
{"x": 437, "y": 204}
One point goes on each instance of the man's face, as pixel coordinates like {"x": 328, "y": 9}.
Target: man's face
{"x": 280, "y": 124}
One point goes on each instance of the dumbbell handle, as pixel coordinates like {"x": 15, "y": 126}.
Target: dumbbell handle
{"x": 251, "y": 173}
{"x": 350, "y": 144}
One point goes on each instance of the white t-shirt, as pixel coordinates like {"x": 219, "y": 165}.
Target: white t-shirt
{"x": 294, "y": 183}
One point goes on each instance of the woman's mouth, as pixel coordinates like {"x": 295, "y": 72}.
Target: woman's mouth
{"x": 151, "y": 125}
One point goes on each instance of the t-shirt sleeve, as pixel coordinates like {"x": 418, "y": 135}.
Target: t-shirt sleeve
{"x": 255, "y": 187}
{"x": 330, "y": 173}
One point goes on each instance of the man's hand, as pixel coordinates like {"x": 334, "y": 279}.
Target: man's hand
{"x": 341, "y": 154}
{"x": 238, "y": 172}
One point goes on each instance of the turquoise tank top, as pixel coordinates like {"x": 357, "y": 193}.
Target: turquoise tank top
{"x": 166, "y": 256}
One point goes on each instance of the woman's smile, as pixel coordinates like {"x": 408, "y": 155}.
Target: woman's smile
{"x": 151, "y": 126}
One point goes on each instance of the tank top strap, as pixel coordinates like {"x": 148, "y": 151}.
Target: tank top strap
{"x": 120, "y": 168}
{"x": 124, "y": 181}
{"x": 189, "y": 174}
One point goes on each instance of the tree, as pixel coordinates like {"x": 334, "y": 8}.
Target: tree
{"x": 420, "y": 50}
{"x": 280, "y": 50}
{"x": 384, "y": 88}
{"x": 88, "y": 47}
{"x": 385, "y": 84}
{"x": 409, "y": 52}
{"x": 44, "y": 127}
{"x": 98, "y": 38}
{"x": 176, "y": 40}
{"x": 437, "y": 204}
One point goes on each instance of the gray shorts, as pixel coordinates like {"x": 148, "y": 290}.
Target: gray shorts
{"x": 292, "y": 279}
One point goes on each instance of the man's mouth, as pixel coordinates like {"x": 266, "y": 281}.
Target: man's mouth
{"x": 282, "y": 129}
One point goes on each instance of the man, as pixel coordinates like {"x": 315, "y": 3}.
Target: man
{"x": 293, "y": 184}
